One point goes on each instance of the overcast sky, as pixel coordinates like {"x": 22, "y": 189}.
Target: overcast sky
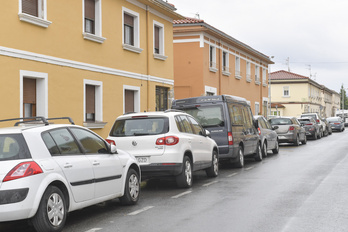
{"x": 312, "y": 34}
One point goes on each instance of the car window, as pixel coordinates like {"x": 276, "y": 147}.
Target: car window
{"x": 236, "y": 114}
{"x": 50, "y": 144}
{"x": 65, "y": 142}
{"x": 140, "y": 126}
{"x": 197, "y": 129}
{"x": 207, "y": 115}
{"x": 186, "y": 127}
{"x": 247, "y": 117}
{"x": 262, "y": 123}
{"x": 280, "y": 121}
{"x": 13, "y": 147}
{"x": 91, "y": 143}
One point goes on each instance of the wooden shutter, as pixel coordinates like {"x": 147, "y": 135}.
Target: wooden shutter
{"x": 157, "y": 40}
{"x": 29, "y": 91}
{"x": 30, "y": 7}
{"x": 128, "y": 20}
{"x": 90, "y": 99}
{"x": 129, "y": 101}
{"x": 90, "y": 9}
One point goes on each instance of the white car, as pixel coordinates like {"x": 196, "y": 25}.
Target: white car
{"x": 48, "y": 170}
{"x": 169, "y": 143}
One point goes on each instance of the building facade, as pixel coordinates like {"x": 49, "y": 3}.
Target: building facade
{"x": 293, "y": 94}
{"x": 207, "y": 61}
{"x": 92, "y": 60}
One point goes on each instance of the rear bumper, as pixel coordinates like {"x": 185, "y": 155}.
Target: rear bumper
{"x": 286, "y": 138}
{"x": 161, "y": 169}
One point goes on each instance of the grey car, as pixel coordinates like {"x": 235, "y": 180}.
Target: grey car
{"x": 311, "y": 127}
{"x": 268, "y": 136}
{"x": 289, "y": 131}
{"x": 336, "y": 123}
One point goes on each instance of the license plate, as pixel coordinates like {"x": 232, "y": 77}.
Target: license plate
{"x": 142, "y": 160}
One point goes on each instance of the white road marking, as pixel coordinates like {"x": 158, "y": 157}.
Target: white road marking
{"x": 233, "y": 174}
{"x": 247, "y": 169}
{"x": 182, "y": 194}
{"x": 140, "y": 211}
{"x": 93, "y": 230}
{"x": 210, "y": 183}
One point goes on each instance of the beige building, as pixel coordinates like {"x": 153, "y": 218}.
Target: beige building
{"x": 92, "y": 60}
{"x": 293, "y": 94}
{"x": 208, "y": 61}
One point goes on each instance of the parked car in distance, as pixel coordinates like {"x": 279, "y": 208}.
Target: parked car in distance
{"x": 311, "y": 127}
{"x": 319, "y": 120}
{"x": 268, "y": 136}
{"x": 336, "y": 123}
{"x": 289, "y": 130}
{"x": 169, "y": 143}
{"x": 328, "y": 126}
{"x": 230, "y": 122}
{"x": 48, "y": 170}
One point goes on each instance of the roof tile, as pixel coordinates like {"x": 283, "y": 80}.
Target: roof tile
{"x": 284, "y": 75}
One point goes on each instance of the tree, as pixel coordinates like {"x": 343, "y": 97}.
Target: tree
{"x": 344, "y": 98}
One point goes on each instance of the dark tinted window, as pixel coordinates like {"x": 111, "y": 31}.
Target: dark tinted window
{"x": 280, "y": 121}
{"x": 197, "y": 129}
{"x": 207, "y": 115}
{"x": 51, "y": 145}
{"x": 140, "y": 126}
{"x": 65, "y": 142}
{"x": 91, "y": 143}
{"x": 13, "y": 147}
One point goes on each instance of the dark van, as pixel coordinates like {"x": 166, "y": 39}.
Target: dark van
{"x": 230, "y": 122}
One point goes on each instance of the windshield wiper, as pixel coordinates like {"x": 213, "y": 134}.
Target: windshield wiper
{"x": 138, "y": 134}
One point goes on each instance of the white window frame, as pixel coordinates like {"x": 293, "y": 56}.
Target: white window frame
{"x": 212, "y": 63}
{"x": 286, "y": 88}
{"x": 136, "y": 90}
{"x": 98, "y": 104}
{"x": 257, "y": 108}
{"x": 97, "y": 36}
{"x": 225, "y": 69}
{"x": 41, "y": 92}
{"x": 248, "y": 71}
{"x": 136, "y": 48}
{"x": 238, "y": 74}
{"x": 41, "y": 20}
{"x": 161, "y": 55}
{"x": 257, "y": 75}
{"x": 209, "y": 89}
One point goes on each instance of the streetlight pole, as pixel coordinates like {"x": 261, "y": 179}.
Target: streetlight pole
{"x": 269, "y": 88}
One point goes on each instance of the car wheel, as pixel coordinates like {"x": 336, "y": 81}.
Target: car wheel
{"x": 258, "y": 154}
{"x": 304, "y": 141}
{"x": 240, "y": 160}
{"x": 315, "y": 137}
{"x": 264, "y": 149}
{"x": 319, "y": 135}
{"x": 184, "y": 180}
{"x": 131, "y": 188}
{"x": 213, "y": 170}
{"x": 51, "y": 214}
{"x": 297, "y": 141}
{"x": 276, "y": 149}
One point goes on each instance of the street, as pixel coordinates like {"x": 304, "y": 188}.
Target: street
{"x": 301, "y": 189}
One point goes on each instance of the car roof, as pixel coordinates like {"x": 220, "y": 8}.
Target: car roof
{"x": 155, "y": 114}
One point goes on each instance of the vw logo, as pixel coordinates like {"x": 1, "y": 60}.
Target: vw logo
{"x": 134, "y": 143}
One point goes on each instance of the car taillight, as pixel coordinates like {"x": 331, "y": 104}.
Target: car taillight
{"x": 230, "y": 138}
{"x": 259, "y": 130}
{"x": 337, "y": 123}
{"x": 318, "y": 121}
{"x": 168, "y": 140}
{"x": 111, "y": 142}
{"x": 23, "y": 170}
{"x": 291, "y": 128}
{"x": 309, "y": 124}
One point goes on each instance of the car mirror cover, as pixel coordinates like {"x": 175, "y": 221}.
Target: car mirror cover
{"x": 113, "y": 149}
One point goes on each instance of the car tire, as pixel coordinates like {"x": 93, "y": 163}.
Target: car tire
{"x": 131, "y": 188}
{"x": 297, "y": 141}
{"x": 258, "y": 154}
{"x": 240, "y": 158}
{"x": 319, "y": 135}
{"x": 52, "y": 211}
{"x": 213, "y": 170}
{"x": 276, "y": 149}
{"x": 304, "y": 141}
{"x": 184, "y": 180}
{"x": 264, "y": 149}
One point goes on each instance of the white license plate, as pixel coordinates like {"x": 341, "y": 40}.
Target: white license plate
{"x": 142, "y": 160}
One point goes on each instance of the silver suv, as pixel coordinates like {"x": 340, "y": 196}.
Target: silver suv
{"x": 323, "y": 128}
{"x": 169, "y": 143}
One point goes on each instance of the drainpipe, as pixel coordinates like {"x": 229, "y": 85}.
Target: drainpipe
{"x": 219, "y": 68}
{"x": 147, "y": 60}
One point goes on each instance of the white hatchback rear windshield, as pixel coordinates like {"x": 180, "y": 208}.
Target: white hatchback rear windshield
{"x": 13, "y": 147}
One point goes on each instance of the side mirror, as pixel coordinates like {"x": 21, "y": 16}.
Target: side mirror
{"x": 113, "y": 149}
{"x": 207, "y": 133}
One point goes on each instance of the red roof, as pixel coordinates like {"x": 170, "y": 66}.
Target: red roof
{"x": 284, "y": 75}
{"x": 188, "y": 20}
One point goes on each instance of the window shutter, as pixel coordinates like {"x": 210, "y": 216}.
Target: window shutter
{"x": 157, "y": 31}
{"x": 90, "y": 99}
{"x": 129, "y": 101}
{"x": 128, "y": 20}
{"x": 90, "y": 9}
{"x": 29, "y": 91}
{"x": 30, "y": 7}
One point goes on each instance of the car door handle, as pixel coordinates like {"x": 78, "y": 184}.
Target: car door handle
{"x": 68, "y": 165}
{"x": 96, "y": 163}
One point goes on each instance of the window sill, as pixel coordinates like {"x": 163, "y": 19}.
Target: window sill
{"x": 238, "y": 77}
{"x": 213, "y": 69}
{"x": 93, "y": 38}
{"x": 225, "y": 73}
{"x": 248, "y": 80}
{"x": 132, "y": 48}
{"x": 264, "y": 84}
{"x": 286, "y": 96}
{"x": 160, "y": 57}
{"x": 34, "y": 20}
{"x": 94, "y": 125}
{"x": 257, "y": 82}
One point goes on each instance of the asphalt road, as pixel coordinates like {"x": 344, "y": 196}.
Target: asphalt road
{"x": 301, "y": 189}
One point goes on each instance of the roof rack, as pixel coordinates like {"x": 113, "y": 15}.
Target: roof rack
{"x": 68, "y": 118}
{"x": 174, "y": 110}
{"x": 27, "y": 120}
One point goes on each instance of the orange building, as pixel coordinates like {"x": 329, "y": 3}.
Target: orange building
{"x": 207, "y": 61}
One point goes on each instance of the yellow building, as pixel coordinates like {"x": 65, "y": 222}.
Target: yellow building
{"x": 92, "y": 60}
{"x": 293, "y": 94}
{"x": 207, "y": 61}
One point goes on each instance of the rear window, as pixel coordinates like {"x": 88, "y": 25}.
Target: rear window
{"x": 281, "y": 121}
{"x": 207, "y": 116}
{"x": 334, "y": 119}
{"x": 140, "y": 126}
{"x": 303, "y": 119}
{"x": 13, "y": 147}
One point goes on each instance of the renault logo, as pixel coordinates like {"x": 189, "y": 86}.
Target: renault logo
{"x": 134, "y": 143}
